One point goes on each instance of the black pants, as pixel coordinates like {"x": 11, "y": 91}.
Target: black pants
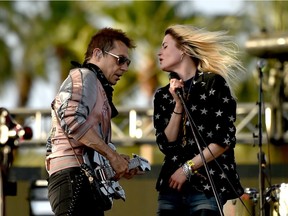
{"x": 69, "y": 194}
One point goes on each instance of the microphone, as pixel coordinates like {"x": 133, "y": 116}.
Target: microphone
{"x": 261, "y": 64}
{"x": 174, "y": 75}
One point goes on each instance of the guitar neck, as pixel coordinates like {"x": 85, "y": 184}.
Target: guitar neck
{"x": 106, "y": 172}
{"x": 133, "y": 163}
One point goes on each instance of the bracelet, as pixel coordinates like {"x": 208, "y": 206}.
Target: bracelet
{"x": 190, "y": 164}
{"x": 177, "y": 113}
{"x": 186, "y": 171}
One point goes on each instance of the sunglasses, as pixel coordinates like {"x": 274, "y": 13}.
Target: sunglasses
{"x": 120, "y": 59}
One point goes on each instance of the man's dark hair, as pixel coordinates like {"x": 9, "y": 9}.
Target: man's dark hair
{"x": 104, "y": 40}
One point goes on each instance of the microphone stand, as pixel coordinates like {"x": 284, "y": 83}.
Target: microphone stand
{"x": 261, "y": 154}
{"x": 201, "y": 153}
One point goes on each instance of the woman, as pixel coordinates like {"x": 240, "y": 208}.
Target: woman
{"x": 191, "y": 183}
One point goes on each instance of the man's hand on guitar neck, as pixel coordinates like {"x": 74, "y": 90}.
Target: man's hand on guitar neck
{"x": 117, "y": 162}
{"x": 132, "y": 172}
{"x": 119, "y": 165}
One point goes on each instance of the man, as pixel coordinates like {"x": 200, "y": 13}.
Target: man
{"x": 82, "y": 111}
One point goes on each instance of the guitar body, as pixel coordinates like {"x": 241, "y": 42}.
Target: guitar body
{"x": 105, "y": 173}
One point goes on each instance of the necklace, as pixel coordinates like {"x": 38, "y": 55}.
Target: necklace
{"x": 186, "y": 123}
{"x": 187, "y": 94}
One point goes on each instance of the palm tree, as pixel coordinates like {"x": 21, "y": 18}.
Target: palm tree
{"x": 5, "y": 50}
{"x": 53, "y": 33}
{"x": 145, "y": 21}
{"x": 60, "y": 29}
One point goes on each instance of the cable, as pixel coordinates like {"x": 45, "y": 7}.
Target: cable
{"x": 202, "y": 156}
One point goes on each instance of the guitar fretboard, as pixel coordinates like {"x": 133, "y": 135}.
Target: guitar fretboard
{"x": 134, "y": 162}
{"x": 108, "y": 173}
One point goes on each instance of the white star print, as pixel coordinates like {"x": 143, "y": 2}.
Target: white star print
{"x": 223, "y": 189}
{"x": 222, "y": 175}
{"x": 165, "y": 96}
{"x": 212, "y": 92}
{"x": 203, "y": 97}
{"x": 227, "y": 141}
{"x": 200, "y": 128}
{"x": 226, "y": 100}
{"x": 210, "y": 134}
{"x": 193, "y": 108}
{"x": 219, "y": 113}
{"x": 231, "y": 118}
{"x": 207, "y": 187}
{"x": 212, "y": 172}
{"x": 222, "y": 118}
{"x": 204, "y": 111}
{"x": 191, "y": 141}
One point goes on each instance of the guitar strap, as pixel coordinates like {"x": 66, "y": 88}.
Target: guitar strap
{"x": 103, "y": 201}
{"x": 58, "y": 120}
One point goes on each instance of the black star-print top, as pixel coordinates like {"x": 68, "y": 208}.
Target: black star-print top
{"x": 213, "y": 111}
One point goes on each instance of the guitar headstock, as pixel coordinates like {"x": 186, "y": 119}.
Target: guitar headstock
{"x": 144, "y": 165}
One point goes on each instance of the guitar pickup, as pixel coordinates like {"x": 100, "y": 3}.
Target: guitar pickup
{"x": 104, "y": 173}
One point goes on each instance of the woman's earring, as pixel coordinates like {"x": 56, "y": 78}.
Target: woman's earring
{"x": 182, "y": 55}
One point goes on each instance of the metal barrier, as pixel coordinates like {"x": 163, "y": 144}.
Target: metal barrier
{"x": 135, "y": 125}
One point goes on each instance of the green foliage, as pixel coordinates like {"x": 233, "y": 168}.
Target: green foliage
{"x": 59, "y": 31}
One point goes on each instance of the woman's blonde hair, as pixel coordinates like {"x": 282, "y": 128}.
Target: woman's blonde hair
{"x": 212, "y": 51}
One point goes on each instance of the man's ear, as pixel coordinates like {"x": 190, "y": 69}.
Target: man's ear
{"x": 98, "y": 53}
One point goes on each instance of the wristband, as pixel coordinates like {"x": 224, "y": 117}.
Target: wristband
{"x": 191, "y": 164}
{"x": 177, "y": 113}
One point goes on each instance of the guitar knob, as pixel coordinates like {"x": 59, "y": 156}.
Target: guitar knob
{"x": 90, "y": 179}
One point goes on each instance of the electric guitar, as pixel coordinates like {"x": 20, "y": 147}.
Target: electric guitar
{"x": 105, "y": 173}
